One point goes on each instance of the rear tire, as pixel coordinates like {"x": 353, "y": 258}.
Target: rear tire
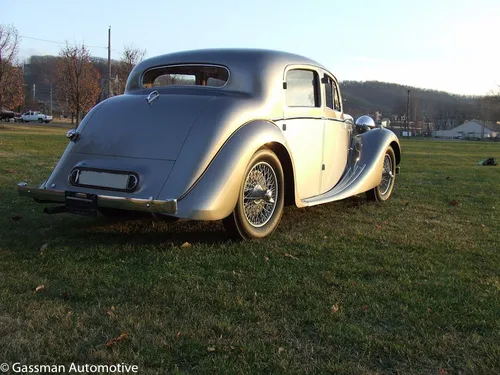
{"x": 40, "y": 121}
{"x": 261, "y": 196}
{"x": 382, "y": 192}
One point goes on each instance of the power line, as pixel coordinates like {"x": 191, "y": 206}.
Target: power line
{"x": 55, "y": 42}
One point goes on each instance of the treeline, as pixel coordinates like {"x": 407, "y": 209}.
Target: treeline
{"x": 441, "y": 108}
{"x": 41, "y": 79}
{"x": 70, "y": 83}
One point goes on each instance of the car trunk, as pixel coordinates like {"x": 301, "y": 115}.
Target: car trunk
{"x": 129, "y": 126}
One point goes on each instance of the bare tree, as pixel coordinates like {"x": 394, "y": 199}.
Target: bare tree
{"x": 77, "y": 80}
{"x": 11, "y": 75}
{"x": 130, "y": 58}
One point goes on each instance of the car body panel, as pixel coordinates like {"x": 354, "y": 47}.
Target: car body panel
{"x": 127, "y": 126}
{"x": 214, "y": 195}
{"x": 152, "y": 173}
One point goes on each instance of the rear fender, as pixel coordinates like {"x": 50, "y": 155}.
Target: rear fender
{"x": 214, "y": 195}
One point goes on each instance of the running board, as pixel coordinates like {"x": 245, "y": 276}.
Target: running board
{"x": 346, "y": 187}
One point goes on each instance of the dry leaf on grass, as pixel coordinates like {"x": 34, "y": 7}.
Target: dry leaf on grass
{"x": 111, "y": 312}
{"x": 43, "y": 248}
{"x": 334, "y": 308}
{"x": 178, "y": 336}
{"x": 68, "y": 315}
{"x": 378, "y": 227}
{"x": 281, "y": 350}
{"x": 112, "y": 342}
{"x": 186, "y": 244}
{"x": 40, "y": 288}
{"x": 211, "y": 349}
{"x": 454, "y": 202}
{"x": 290, "y": 256}
{"x": 365, "y": 307}
{"x": 266, "y": 258}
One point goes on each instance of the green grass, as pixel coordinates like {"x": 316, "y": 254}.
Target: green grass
{"x": 416, "y": 281}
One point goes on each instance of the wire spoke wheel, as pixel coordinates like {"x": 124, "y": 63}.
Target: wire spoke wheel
{"x": 383, "y": 191}
{"x": 260, "y": 194}
{"x": 260, "y": 201}
{"x": 387, "y": 175}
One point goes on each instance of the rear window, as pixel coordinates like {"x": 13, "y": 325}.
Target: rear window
{"x": 186, "y": 75}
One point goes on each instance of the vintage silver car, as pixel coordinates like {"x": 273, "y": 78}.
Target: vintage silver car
{"x": 231, "y": 134}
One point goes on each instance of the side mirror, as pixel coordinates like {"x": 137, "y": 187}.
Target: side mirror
{"x": 364, "y": 124}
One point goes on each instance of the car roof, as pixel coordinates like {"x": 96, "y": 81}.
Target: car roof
{"x": 228, "y": 57}
{"x": 239, "y": 61}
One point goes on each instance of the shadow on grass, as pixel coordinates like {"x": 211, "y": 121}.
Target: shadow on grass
{"x": 139, "y": 231}
{"x": 143, "y": 231}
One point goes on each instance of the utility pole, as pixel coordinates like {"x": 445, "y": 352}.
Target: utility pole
{"x": 51, "y": 99}
{"x": 34, "y": 87}
{"x": 408, "y": 116}
{"x": 109, "y": 62}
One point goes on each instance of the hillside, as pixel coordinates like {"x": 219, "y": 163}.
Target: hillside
{"x": 390, "y": 100}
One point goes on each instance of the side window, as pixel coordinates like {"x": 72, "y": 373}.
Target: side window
{"x": 329, "y": 93}
{"x": 332, "y": 99}
{"x": 336, "y": 97}
{"x": 302, "y": 88}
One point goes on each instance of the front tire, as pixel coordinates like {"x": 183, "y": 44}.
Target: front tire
{"x": 383, "y": 191}
{"x": 260, "y": 199}
{"x": 40, "y": 121}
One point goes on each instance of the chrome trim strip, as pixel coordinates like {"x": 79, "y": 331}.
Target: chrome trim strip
{"x": 168, "y": 206}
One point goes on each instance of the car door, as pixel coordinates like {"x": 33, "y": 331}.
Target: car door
{"x": 336, "y": 135}
{"x": 302, "y": 126}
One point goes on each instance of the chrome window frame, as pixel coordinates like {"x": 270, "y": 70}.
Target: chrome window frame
{"x": 180, "y": 65}
{"x": 317, "y": 88}
{"x": 335, "y": 90}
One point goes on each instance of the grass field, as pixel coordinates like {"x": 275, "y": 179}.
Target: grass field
{"x": 408, "y": 287}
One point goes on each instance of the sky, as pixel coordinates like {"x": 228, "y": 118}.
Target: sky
{"x": 449, "y": 45}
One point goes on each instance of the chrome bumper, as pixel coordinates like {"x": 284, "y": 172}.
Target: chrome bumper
{"x": 130, "y": 204}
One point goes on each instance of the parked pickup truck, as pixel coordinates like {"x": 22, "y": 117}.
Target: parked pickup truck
{"x": 35, "y": 116}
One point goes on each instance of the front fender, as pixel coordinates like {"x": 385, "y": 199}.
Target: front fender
{"x": 364, "y": 166}
{"x": 214, "y": 195}
{"x": 372, "y": 146}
